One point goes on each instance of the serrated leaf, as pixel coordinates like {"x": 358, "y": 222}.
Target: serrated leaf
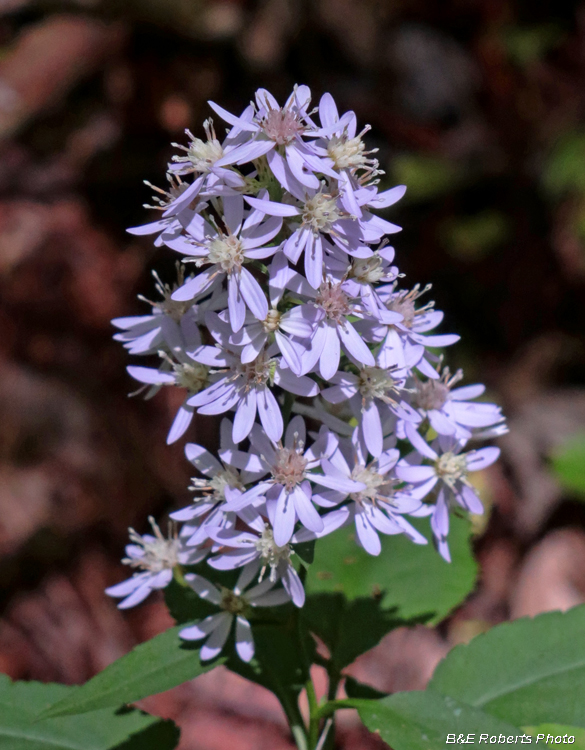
{"x": 569, "y": 465}
{"x": 153, "y": 667}
{"x": 410, "y": 577}
{"x": 531, "y": 671}
{"x": 421, "y": 720}
{"x": 122, "y": 729}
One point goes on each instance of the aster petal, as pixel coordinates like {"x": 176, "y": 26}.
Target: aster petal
{"x": 202, "y": 629}
{"x": 290, "y": 352}
{"x": 245, "y": 416}
{"x": 354, "y": 344}
{"x": 216, "y": 641}
{"x": 202, "y": 459}
{"x": 468, "y": 498}
{"x": 440, "y": 423}
{"x": 300, "y": 386}
{"x": 272, "y": 208}
{"x": 482, "y": 458}
{"x": 180, "y": 424}
{"x": 306, "y": 511}
{"x": 244, "y": 639}
{"x": 366, "y": 534}
{"x": 270, "y": 414}
{"x": 285, "y": 518}
{"x": 292, "y": 584}
{"x": 253, "y": 295}
{"x": 314, "y": 260}
{"x": 150, "y": 375}
{"x": 371, "y": 425}
{"x": 204, "y": 588}
{"x": 331, "y": 353}
{"x": 197, "y": 285}
{"x": 236, "y": 304}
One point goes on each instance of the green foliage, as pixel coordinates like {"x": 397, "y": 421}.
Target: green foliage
{"x": 558, "y": 729}
{"x": 517, "y": 677}
{"x": 528, "y": 44}
{"x": 348, "y": 629}
{"x": 474, "y": 237}
{"x": 122, "y": 729}
{"x": 569, "y": 465}
{"x": 421, "y": 720}
{"x": 528, "y": 672}
{"x": 427, "y": 177}
{"x": 153, "y": 667}
{"x": 563, "y": 171}
{"x": 411, "y": 578}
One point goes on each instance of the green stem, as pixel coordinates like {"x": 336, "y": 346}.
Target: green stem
{"x": 313, "y": 714}
{"x": 295, "y": 722}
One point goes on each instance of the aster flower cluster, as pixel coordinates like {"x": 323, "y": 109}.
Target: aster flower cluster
{"x": 288, "y": 304}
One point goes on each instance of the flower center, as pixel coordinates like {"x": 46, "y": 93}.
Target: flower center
{"x": 451, "y": 468}
{"x": 192, "y": 375}
{"x": 405, "y": 306}
{"x": 333, "y": 301}
{"x": 347, "y": 153}
{"x": 289, "y": 467}
{"x": 321, "y": 212}
{"x": 256, "y": 372}
{"x": 378, "y": 486}
{"x": 159, "y": 553}
{"x": 271, "y": 553}
{"x": 272, "y": 321}
{"x": 282, "y": 126}
{"x": 232, "y": 602}
{"x": 430, "y": 395}
{"x": 227, "y": 252}
{"x": 200, "y": 155}
{"x": 218, "y": 483}
{"x": 374, "y": 382}
{"x": 367, "y": 270}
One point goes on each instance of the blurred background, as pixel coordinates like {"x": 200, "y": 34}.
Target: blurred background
{"x": 477, "y": 105}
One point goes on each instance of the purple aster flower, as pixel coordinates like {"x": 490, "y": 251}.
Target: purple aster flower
{"x": 286, "y": 329}
{"x": 320, "y": 213}
{"x": 201, "y": 157}
{"x": 449, "y": 411}
{"x": 370, "y": 393}
{"x": 449, "y": 469}
{"x": 288, "y": 492}
{"x": 242, "y": 238}
{"x": 272, "y": 130}
{"x": 247, "y": 389}
{"x": 332, "y": 330}
{"x": 233, "y": 605}
{"x": 154, "y": 558}
{"x": 183, "y": 372}
{"x": 172, "y": 325}
{"x": 256, "y": 550}
{"x": 378, "y": 508}
{"x": 179, "y": 204}
{"x": 236, "y": 469}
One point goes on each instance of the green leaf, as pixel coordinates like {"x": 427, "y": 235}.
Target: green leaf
{"x": 153, "y": 667}
{"x": 412, "y": 578}
{"x": 348, "y": 629}
{"x": 122, "y": 729}
{"x": 558, "y": 729}
{"x": 422, "y": 720}
{"x": 355, "y": 689}
{"x": 569, "y": 465}
{"x": 278, "y": 662}
{"x": 531, "y": 671}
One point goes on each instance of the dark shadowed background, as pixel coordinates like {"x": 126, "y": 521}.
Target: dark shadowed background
{"x": 478, "y": 106}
